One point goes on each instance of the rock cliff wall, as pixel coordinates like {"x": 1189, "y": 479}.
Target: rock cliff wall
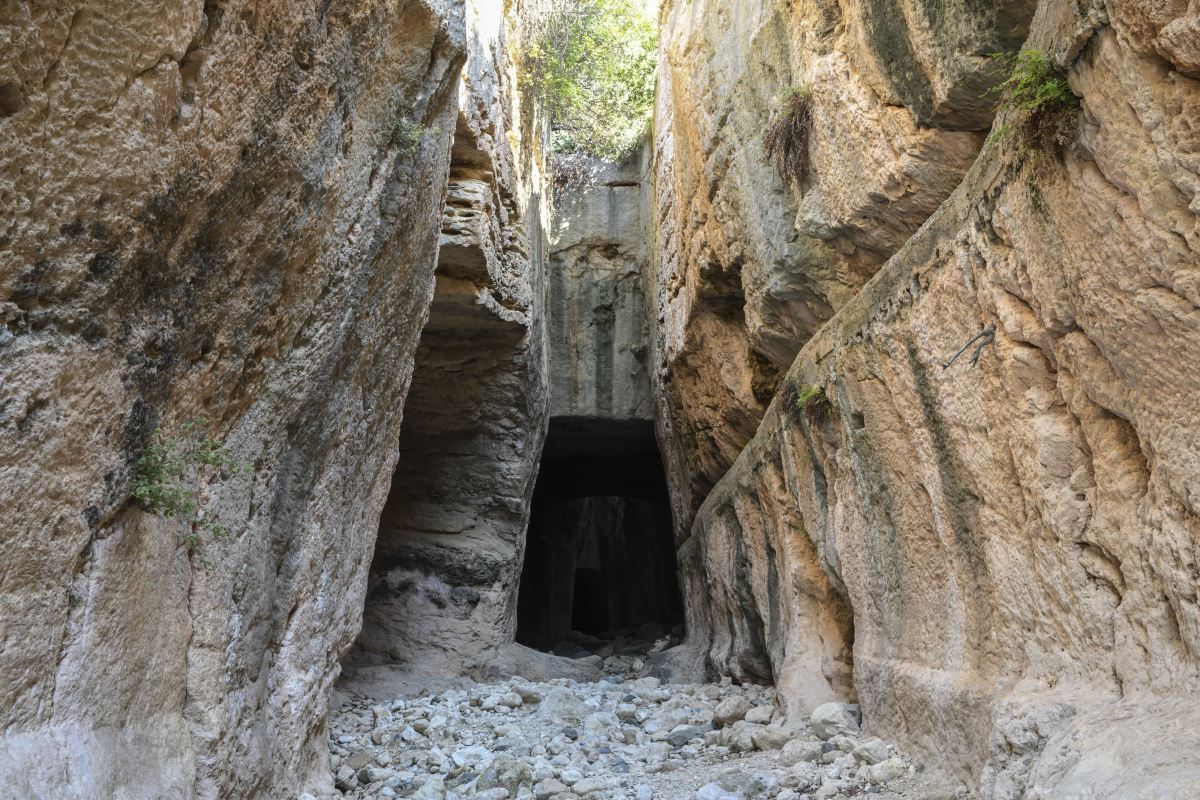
{"x": 442, "y": 592}
{"x": 996, "y": 558}
{"x": 224, "y": 210}
{"x": 232, "y": 212}
{"x": 596, "y": 306}
{"x": 748, "y": 266}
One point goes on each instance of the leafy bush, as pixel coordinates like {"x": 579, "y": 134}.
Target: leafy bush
{"x": 786, "y": 138}
{"x": 813, "y": 400}
{"x": 406, "y": 136}
{"x": 804, "y": 400}
{"x": 167, "y": 472}
{"x": 1039, "y": 94}
{"x": 593, "y": 64}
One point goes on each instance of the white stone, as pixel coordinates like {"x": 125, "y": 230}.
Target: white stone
{"x": 871, "y": 751}
{"x": 799, "y": 750}
{"x": 432, "y": 789}
{"x": 550, "y": 786}
{"x": 731, "y": 709}
{"x": 713, "y": 791}
{"x": 885, "y": 771}
{"x": 472, "y": 757}
{"x": 760, "y": 715}
{"x": 830, "y": 719}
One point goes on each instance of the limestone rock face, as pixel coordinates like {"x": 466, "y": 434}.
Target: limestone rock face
{"x": 748, "y": 265}
{"x": 442, "y": 588}
{"x": 596, "y": 307}
{"x": 217, "y": 210}
{"x": 1015, "y": 541}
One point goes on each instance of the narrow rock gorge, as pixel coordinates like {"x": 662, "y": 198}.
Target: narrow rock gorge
{"x": 839, "y": 439}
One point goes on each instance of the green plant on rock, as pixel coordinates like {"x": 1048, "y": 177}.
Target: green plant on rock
{"x": 786, "y": 139}
{"x": 805, "y": 400}
{"x": 168, "y": 470}
{"x": 592, "y": 62}
{"x": 1043, "y": 107}
{"x": 407, "y": 135}
{"x": 813, "y": 400}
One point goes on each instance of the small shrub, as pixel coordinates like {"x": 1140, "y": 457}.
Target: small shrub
{"x": 786, "y": 138}
{"x": 407, "y": 135}
{"x": 1044, "y": 103}
{"x": 812, "y": 400}
{"x": 166, "y": 474}
{"x": 805, "y": 401}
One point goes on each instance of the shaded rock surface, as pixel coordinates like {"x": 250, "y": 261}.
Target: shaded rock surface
{"x": 441, "y": 596}
{"x": 596, "y": 295}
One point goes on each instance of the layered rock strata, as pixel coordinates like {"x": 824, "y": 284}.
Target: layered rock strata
{"x": 1009, "y": 539}
{"x": 442, "y": 592}
{"x": 225, "y": 211}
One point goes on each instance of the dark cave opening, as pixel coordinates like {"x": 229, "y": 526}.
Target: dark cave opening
{"x": 599, "y": 555}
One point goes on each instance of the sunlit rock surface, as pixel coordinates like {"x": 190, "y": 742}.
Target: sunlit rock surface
{"x": 749, "y": 266}
{"x": 206, "y": 213}
{"x": 1015, "y": 540}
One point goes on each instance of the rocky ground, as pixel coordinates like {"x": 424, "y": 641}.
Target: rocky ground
{"x": 618, "y": 738}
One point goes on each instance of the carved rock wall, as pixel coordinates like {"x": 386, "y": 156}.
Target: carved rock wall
{"x": 442, "y": 591}
{"x": 748, "y": 266}
{"x": 206, "y": 212}
{"x": 1010, "y": 548}
{"x": 596, "y": 299}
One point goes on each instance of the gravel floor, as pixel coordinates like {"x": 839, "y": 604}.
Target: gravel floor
{"x": 620, "y": 738}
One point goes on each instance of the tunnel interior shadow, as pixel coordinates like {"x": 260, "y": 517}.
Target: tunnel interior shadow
{"x": 599, "y": 556}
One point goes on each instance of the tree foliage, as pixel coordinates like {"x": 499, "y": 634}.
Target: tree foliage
{"x": 1033, "y": 84}
{"x": 168, "y": 470}
{"x": 593, "y": 63}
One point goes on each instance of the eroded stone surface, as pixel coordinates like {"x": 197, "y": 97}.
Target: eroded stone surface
{"x": 441, "y": 597}
{"x": 597, "y": 302}
{"x": 231, "y": 210}
{"x": 206, "y": 213}
{"x": 1016, "y": 540}
{"x": 749, "y": 266}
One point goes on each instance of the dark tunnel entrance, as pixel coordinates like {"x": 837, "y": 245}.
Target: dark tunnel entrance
{"x": 600, "y": 555}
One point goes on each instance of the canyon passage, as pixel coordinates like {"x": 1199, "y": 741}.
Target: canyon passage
{"x": 600, "y": 400}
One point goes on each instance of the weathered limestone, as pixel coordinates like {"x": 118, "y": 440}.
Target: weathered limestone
{"x": 442, "y": 591}
{"x": 204, "y": 211}
{"x": 1016, "y": 541}
{"x": 596, "y": 302}
{"x": 748, "y": 267}
{"x": 599, "y": 546}
{"x": 231, "y": 211}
